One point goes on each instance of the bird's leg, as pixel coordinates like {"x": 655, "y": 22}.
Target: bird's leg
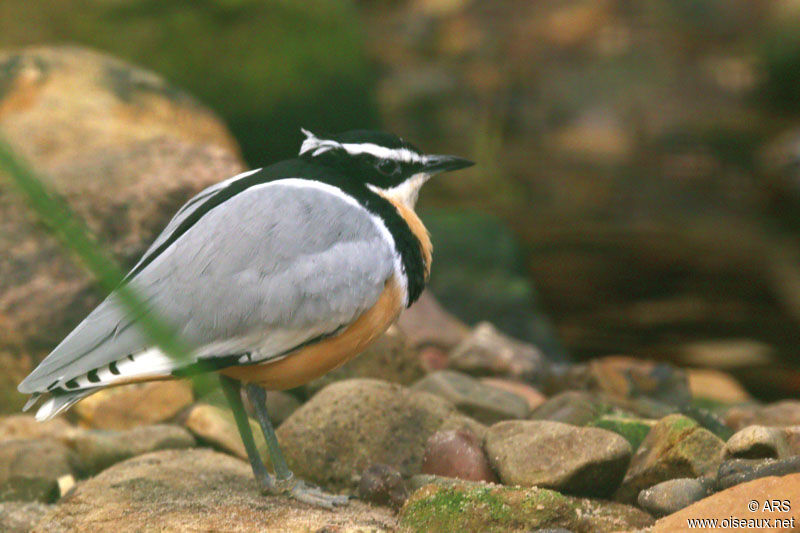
{"x": 286, "y": 481}
{"x": 232, "y": 389}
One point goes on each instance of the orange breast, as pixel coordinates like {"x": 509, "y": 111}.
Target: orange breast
{"x": 311, "y": 362}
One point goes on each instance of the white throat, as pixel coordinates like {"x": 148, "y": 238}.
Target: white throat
{"x": 407, "y": 192}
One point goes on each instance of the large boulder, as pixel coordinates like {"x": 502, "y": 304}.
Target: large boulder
{"x": 198, "y": 490}
{"x": 351, "y": 425}
{"x": 124, "y": 148}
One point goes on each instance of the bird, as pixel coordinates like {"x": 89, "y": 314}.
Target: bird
{"x": 272, "y": 278}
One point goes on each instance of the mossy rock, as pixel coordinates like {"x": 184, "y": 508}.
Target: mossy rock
{"x": 676, "y": 447}
{"x": 502, "y": 509}
{"x": 634, "y": 430}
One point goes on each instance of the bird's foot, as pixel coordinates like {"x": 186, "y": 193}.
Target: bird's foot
{"x": 302, "y": 491}
{"x": 307, "y": 493}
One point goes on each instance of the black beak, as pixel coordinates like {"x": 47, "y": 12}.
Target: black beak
{"x": 434, "y": 164}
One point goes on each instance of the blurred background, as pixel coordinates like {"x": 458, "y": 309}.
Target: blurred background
{"x": 637, "y": 189}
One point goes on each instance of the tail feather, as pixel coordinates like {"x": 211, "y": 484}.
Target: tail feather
{"x": 59, "y": 402}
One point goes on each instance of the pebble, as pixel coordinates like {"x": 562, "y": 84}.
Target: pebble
{"x": 457, "y": 454}
{"x": 670, "y": 496}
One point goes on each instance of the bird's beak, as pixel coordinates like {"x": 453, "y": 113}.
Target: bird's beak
{"x": 434, "y": 164}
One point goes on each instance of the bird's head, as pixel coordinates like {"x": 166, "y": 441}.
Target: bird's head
{"x": 383, "y": 161}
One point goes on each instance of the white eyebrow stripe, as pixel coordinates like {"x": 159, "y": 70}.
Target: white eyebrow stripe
{"x": 381, "y": 152}
{"x": 320, "y": 146}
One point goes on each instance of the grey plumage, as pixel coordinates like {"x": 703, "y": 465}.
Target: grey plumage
{"x": 263, "y": 272}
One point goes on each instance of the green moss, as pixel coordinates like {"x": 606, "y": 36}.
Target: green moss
{"x": 680, "y": 423}
{"x": 490, "y": 509}
{"x": 634, "y": 430}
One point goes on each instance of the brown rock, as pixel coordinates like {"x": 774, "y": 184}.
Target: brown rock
{"x": 758, "y": 442}
{"x": 734, "y": 501}
{"x": 627, "y": 377}
{"x": 15, "y": 364}
{"x": 783, "y": 413}
{"x": 572, "y": 407}
{"x": 427, "y": 323}
{"x": 558, "y": 456}
{"x": 30, "y": 469}
{"x": 457, "y": 454}
{"x": 488, "y": 352}
{"x": 133, "y": 405}
{"x": 99, "y": 449}
{"x": 217, "y": 427}
{"x": 675, "y": 447}
{"x": 482, "y": 402}
{"x": 350, "y": 425}
{"x": 196, "y": 490}
{"x": 716, "y": 385}
{"x": 21, "y": 517}
{"x": 531, "y": 395}
{"x": 27, "y": 427}
{"x": 123, "y": 147}
{"x": 383, "y": 485}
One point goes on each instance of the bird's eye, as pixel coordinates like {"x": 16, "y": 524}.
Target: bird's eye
{"x": 387, "y": 167}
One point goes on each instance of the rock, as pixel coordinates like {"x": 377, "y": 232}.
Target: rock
{"x": 727, "y": 353}
{"x": 438, "y": 509}
{"x": 676, "y": 447}
{"x": 572, "y": 407}
{"x": 484, "y": 403}
{"x": 531, "y": 395}
{"x": 488, "y": 352}
{"x": 217, "y": 427}
{"x": 350, "y": 425}
{"x": 783, "y": 413}
{"x": 418, "y": 481}
{"x": 634, "y": 430}
{"x": 717, "y": 386}
{"x": 733, "y": 503}
{"x": 670, "y": 496}
{"x": 15, "y": 364}
{"x": 280, "y": 404}
{"x": 99, "y": 449}
{"x": 457, "y": 454}
{"x": 134, "y": 405}
{"x": 389, "y": 358}
{"x": 558, "y": 456}
{"x": 383, "y": 485}
{"x": 432, "y": 358}
{"x": 21, "y": 517}
{"x": 15, "y": 427}
{"x": 628, "y": 377}
{"x": 202, "y": 490}
{"x": 30, "y": 469}
{"x": 427, "y": 323}
{"x": 106, "y": 135}
{"x": 736, "y": 471}
{"x": 755, "y": 442}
